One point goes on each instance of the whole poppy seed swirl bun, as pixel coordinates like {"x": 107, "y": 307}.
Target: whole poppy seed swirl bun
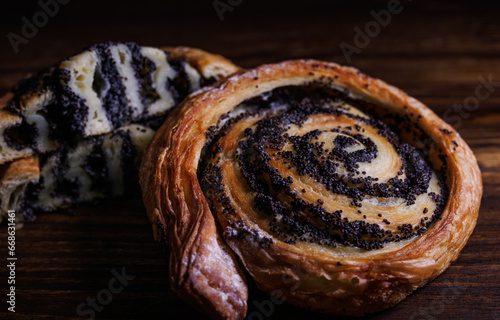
{"x": 333, "y": 190}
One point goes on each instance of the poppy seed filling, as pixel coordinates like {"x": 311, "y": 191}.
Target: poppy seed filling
{"x": 283, "y": 147}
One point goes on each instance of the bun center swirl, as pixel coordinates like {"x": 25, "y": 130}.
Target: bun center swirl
{"x": 315, "y": 167}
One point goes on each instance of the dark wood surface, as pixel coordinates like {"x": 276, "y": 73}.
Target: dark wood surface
{"x": 434, "y": 51}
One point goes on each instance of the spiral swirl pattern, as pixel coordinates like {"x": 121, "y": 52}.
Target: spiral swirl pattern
{"x": 317, "y": 167}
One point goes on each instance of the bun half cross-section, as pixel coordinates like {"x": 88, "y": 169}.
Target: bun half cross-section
{"x": 310, "y": 171}
{"x": 76, "y": 131}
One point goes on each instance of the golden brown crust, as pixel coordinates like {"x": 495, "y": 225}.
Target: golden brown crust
{"x": 361, "y": 283}
{"x": 210, "y": 65}
{"x": 14, "y": 171}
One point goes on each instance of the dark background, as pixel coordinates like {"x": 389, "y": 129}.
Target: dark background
{"x": 433, "y": 50}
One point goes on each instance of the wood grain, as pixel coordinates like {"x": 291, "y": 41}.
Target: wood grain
{"x": 435, "y": 51}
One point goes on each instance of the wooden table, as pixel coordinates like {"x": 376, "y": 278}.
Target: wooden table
{"x": 435, "y": 51}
